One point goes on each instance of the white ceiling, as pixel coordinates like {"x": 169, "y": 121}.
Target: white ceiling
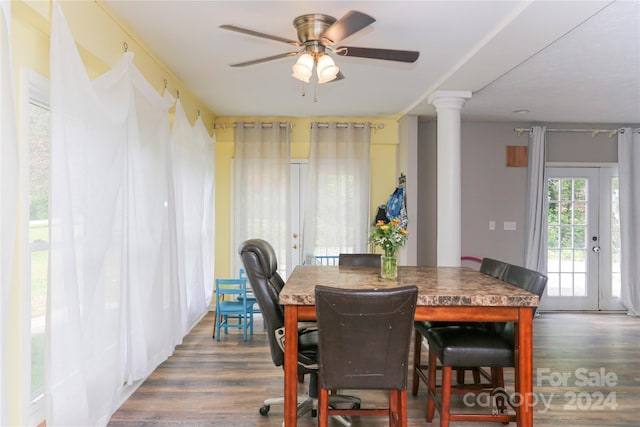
{"x": 564, "y": 61}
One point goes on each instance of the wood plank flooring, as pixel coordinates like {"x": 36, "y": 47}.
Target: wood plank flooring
{"x": 586, "y": 373}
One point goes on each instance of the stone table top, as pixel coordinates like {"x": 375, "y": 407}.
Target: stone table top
{"x": 437, "y": 286}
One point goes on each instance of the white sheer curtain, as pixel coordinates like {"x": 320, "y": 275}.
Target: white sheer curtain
{"x": 208, "y": 146}
{"x": 192, "y": 173}
{"x": 535, "y": 253}
{"x": 151, "y": 270}
{"x": 9, "y": 177}
{"x": 113, "y": 266}
{"x": 336, "y": 215}
{"x": 261, "y": 186}
{"x": 629, "y": 179}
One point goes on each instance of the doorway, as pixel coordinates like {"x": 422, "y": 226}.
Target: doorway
{"x": 583, "y": 239}
{"x": 298, "y": 180}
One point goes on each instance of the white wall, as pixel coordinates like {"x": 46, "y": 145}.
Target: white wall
{"x": 491, "y": 191}
{"x": 427, "y": 194}
{"x": 408, "y": 164}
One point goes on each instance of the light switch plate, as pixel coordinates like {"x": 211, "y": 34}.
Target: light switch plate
{"x": 492, "y": 225}
{"x": 510, "y": 225}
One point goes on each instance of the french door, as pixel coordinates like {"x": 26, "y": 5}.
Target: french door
{"x": 298, "y": 179}
{"x": 583, "y": 240}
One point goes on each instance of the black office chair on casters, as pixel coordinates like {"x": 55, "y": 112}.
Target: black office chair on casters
{"x": 364, "y": 339}
{"x": 261, "y": 267}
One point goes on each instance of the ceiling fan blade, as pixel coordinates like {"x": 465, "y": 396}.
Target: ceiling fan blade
{"x": 386, "y": 54}
{"x": 261, "y": 60}
{"x": 258, "y": 34}
{"x": 352, "y": 22}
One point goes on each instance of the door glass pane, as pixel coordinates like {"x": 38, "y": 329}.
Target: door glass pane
{"x": 579, "y": 189}
{"x": 38, "y": 238}
{"x": 566, "y": 284}
{"x": 579, "y": 213}
{"x": 580, "y": 237}
{"x": 580, "y": 262}
{"x": 615, "y": 238}
{"x": 567, "y": 236}
{"x": 553, "y": 284}
{"x": 580, "y": 284}
{"x": 553, "y": 236}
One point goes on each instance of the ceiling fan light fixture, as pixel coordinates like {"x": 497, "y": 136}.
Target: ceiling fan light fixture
{"x": 326, "y": 69}
{"x": 303, "y": 68}
{"x": 319, "y": 34}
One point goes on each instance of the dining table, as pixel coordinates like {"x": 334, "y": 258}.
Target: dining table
{"x": 444, "y": 294}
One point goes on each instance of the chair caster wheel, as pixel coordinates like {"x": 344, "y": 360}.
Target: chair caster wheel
{"x": 355, "y": 406}
{"x": 264, "y": 410}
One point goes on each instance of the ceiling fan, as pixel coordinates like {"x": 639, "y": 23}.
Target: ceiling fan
{"x": 317, "y": 35}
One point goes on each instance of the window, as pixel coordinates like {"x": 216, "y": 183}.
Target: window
{"x": 37, "y": 143}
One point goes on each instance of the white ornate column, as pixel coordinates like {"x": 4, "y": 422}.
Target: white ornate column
{"x": 448, "y": 105}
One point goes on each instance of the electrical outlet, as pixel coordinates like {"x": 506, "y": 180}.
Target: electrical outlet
{"x": 510, "y": 225}
{"x": 492, "y": 225}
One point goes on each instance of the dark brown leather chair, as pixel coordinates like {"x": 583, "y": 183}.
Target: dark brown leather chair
{"x": 364, "y": 338}
{"x": 492, "y": 267}
{"x": 261, "y": 267}
{"x": 359, "y": 260}
{"x": 526, "y": 279}
{"x": 469, "y": 347}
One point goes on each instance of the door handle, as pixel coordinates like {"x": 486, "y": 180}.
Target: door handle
{"x": 596, "y": 249}
{"x": 295, "y": 246}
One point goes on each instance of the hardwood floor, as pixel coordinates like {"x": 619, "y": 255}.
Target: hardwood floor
{"x": 586, "y": 373}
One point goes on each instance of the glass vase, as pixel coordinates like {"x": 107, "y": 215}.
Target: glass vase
{"x": 388, "y": 266}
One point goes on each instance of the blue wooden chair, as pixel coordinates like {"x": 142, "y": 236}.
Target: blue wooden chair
{"x": 250, "y": 295}
{"x": 232, "y": 303}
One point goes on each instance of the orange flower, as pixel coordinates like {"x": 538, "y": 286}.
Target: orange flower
{"x": 389, "y": 236}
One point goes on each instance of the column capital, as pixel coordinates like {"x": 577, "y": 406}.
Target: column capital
{"x": 449, "y": 99}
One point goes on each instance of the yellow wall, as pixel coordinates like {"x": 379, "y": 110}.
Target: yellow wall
{"x": 384, "y": 141}
{"x": 100, "y": 39}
